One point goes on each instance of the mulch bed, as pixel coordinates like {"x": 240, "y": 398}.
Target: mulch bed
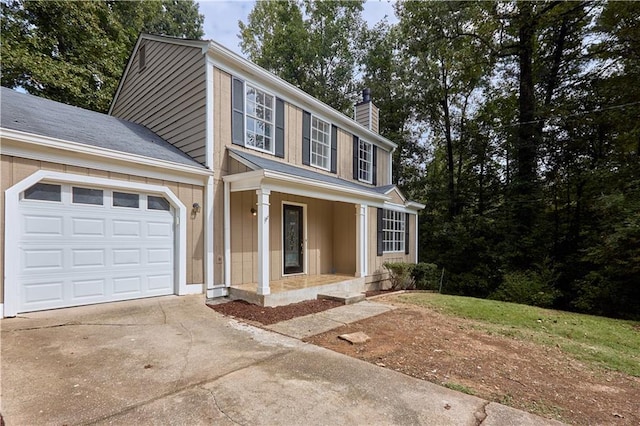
{"x": 265, "y": 315}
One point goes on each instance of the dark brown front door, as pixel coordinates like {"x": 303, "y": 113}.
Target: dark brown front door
{"x": 293, "y": 239}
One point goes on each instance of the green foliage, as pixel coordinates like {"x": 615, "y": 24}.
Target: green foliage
{"x": 400, "y": 275}
{"x": 75, "y": 52}
{"x": 310, "y": 44}
{"x": 602, "y": 342}
{"x": 426, "y": 276}
{"x": 530, "y": 288}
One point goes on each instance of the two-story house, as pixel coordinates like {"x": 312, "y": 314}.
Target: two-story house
{"x": 274, "y": 196}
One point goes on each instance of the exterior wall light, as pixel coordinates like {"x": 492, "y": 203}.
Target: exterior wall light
{"x": 254, "y": 211}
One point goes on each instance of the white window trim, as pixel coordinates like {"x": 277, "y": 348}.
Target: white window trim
{"x": 402, "y": 233}
{"x": 370, "y": 171}
{"x": 328, "y": 168}
{"x": 12, "y": 216}
{"x": 246, "y": 116}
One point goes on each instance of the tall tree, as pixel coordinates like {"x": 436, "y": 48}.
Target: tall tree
{"x": 310, "y": 44}
{"x": 74, "y": 52}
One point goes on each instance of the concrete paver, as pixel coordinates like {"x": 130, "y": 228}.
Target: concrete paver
{"x": 310, "y": 325}
{"x": 172, "y": 360}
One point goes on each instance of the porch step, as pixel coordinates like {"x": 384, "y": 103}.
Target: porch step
{"x": 348, "y": 298}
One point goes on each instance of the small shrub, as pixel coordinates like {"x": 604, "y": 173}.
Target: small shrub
{"x": 529, "y": 288}
{"x": 400, "y": 275}
{"x": 426, "y": 276}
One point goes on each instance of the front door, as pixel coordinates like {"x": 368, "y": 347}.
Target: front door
{"x": 293, "y": 239}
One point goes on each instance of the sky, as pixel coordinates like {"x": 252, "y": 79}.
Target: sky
{"x": 221, "y": 18}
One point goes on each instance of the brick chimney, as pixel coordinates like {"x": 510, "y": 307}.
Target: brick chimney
{"x": 366, "y": 113}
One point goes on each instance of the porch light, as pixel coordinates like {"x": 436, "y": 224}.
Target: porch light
{"x": 254, "y": 211}
{"x": 196, "y": 209}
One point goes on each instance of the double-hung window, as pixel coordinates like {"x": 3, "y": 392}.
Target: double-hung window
{"x": 259, "y": 113}
{"x": 365, "y": 161}
{"x": 320, "y": 143}
{"x": 393, "y": 228}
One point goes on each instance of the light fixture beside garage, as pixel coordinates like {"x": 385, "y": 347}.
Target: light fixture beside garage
{"x": 254, "y": 211}
{"x": 195, "y": 209}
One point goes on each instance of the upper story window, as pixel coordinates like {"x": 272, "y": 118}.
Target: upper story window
{"x": 393, "y": 227}
{"x": 365, "y": 161}
{"x": 320, "y": 143}
{"x": 259, "y": 119}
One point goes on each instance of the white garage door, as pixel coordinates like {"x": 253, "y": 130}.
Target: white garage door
{"x": 80, "y": 245}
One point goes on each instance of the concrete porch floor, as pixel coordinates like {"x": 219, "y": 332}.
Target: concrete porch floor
{"x": 297, "y": 288}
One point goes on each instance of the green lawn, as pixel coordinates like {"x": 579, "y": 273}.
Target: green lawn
{"x": 606, "y": 342}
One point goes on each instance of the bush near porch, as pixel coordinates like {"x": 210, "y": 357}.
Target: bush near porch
{"x": 410, "y": 276}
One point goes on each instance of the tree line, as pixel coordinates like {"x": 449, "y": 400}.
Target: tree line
{"x": 517, "y": 123}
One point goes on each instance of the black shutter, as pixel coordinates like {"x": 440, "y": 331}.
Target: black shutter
{"x": 374, "y": 165}
{"x": 334, "y": 149}
{"x": 356, "y": 155}
{"x": 306, "y": 137}
{"x": 406, "y": 233}
{"x": 279, "y": 128}
{"x": 380, "y": 233}
{"x": 237, "y": 112}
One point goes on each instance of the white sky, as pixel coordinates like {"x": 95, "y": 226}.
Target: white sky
{"x": 221, "y": 18}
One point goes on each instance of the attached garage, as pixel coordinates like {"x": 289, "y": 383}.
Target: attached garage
{"x": 80, "y": 245}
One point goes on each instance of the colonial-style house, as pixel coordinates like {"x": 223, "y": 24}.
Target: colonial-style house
{"x": 209, "y": 175}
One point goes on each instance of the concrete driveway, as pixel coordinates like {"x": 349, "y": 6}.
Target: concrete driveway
{"x": 172, "y": 360}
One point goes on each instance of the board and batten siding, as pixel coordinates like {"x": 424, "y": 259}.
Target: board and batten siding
{"x": 168, "y": 95}
{"x": 15, "y": 169}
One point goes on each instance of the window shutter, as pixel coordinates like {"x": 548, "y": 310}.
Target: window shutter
{"x": 237, "y": 113}
{"x": 306, "y": 138}
{"x": 374, "y": 166}
{"x": 406, "y": 233}
{"x": 279, "y": 128}
{"x": 356, "y": 157}
{"x": 334, "y": 149}
{"x": 380, "y": 233}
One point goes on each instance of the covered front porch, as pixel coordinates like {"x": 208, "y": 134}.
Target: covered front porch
{"x": 289, "y": 238}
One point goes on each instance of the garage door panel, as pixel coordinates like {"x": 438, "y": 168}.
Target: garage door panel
{"x": 44, "y": 292}
{"x": 83, "y": 258}
{"x": 74, "y": 254}
{"x": 126, "y": 228}
{"x": 126, "y": 257}
{"x": 159, "y": 229}
{"x": 83, "y": 227}
{"x": 42, "y": 226}
{"x": 42, "y": 259}
{"x": 127, "y": 285}
{"x": 83, "y": 289}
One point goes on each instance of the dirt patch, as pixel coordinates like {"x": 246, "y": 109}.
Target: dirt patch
{"x": 265, "y": 315}
{"x": 453, "y": 352}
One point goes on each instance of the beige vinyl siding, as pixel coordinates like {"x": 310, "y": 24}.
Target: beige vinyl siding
{"x": 375, "y": 124}
{"x": 395, "y": 197}
{"x": 345, "y": 155}
{"x": 344, "y": 238}
{"x": 15, "y": 169}
{"x": 168, "y": 96}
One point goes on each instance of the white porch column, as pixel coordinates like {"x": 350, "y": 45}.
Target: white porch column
{"x": 361, "y": 240}
{"x": 263, "y": 241}
{"x": 227, "y": 234}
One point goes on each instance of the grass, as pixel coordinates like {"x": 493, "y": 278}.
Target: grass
{"x": 605, "y": 342}
{"x": 459, "y": 388}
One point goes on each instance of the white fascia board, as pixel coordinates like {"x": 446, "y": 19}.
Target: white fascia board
{"x": 234, "y": 64}
{"x": 43, "y": 148}
{"x": 415, "y": 206}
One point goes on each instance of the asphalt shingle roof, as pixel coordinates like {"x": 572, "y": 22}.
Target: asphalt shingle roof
{"x": 44, "y": 117}
{"x": 280, "y": 167}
